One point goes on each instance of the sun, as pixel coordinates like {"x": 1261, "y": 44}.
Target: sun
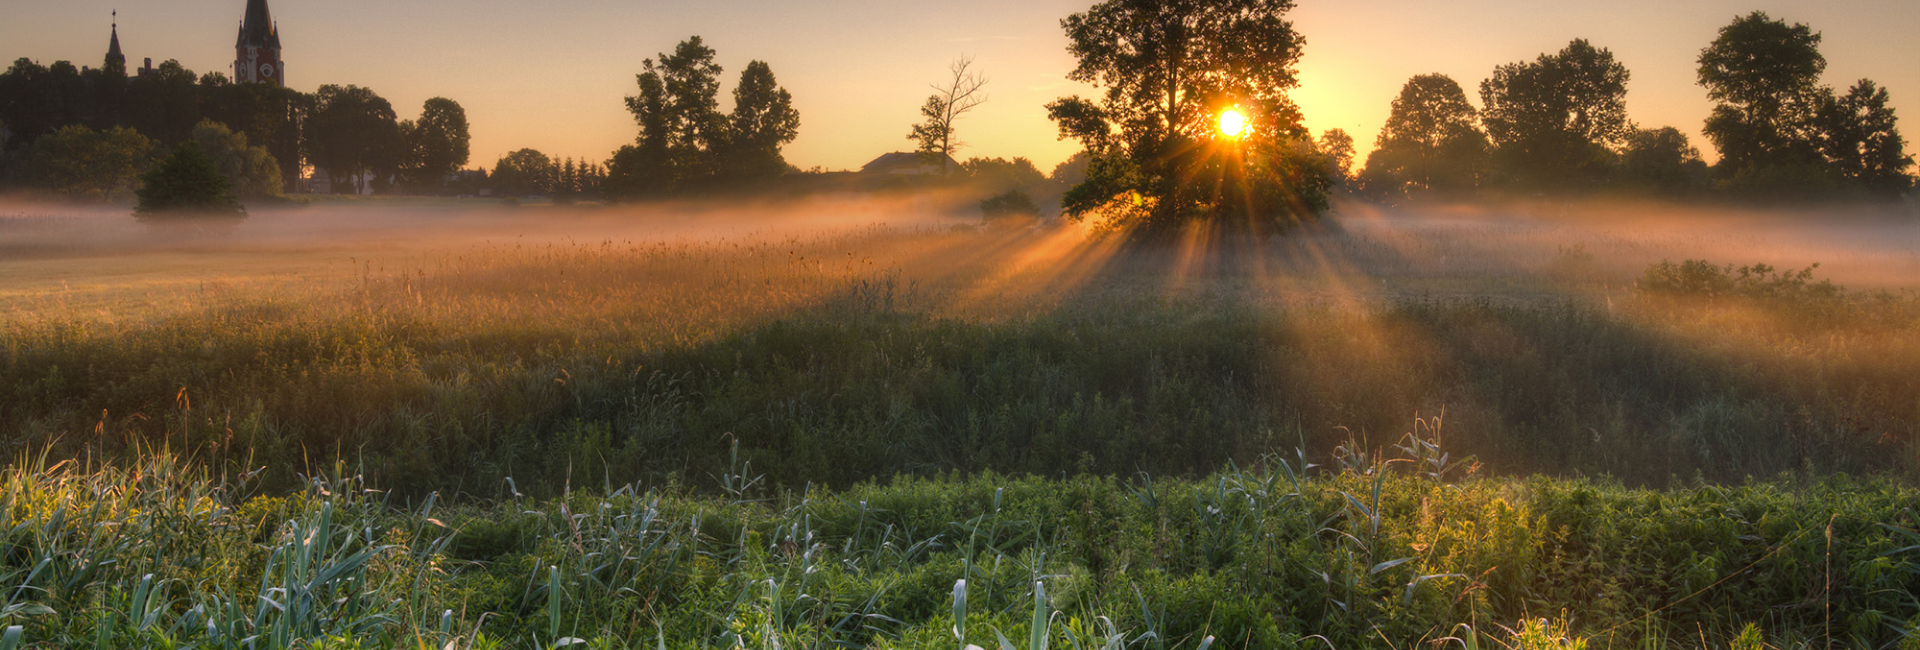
{"x": 1232, "y": 123}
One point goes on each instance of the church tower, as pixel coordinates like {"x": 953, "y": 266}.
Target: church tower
{"x": 257, "y": 51}
{"x": 115, "y": 60}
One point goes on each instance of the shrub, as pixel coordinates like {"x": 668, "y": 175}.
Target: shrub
{"x": 188, "y": 183}
{"x": 1702, "y": 279}
{"x": 1012, "y": 203}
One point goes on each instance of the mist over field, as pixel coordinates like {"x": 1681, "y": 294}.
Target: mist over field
{"x": 1503, "y": 359}
{"x": 1542, "y": 248}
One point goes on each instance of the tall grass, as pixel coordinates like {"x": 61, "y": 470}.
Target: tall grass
{"x": 1277, "y": 555}
{"x": 601, "y": 364}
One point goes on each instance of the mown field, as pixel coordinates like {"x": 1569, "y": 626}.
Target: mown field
{"x": 423, "y": 425}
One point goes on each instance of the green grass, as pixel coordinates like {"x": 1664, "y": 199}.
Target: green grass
{"x": 1386, "y": 552}
{"x": 806, "y": 441}
{"x": 468, "y": 382}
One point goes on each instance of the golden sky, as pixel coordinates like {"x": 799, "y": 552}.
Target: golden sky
{"x": 551, "y": 75}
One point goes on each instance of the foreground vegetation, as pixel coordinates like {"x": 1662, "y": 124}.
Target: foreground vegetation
{"x": 1365, "y": 553}
{"x": 835, "y": 360}
{"x": 807, "y": 441}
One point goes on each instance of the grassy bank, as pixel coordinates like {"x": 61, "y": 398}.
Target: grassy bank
{"x": 1372, "y": 552}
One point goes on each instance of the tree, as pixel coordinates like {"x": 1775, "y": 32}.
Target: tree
{"x": 524, "y": 172}
{"x": 763, "y": 120}
{"x": 1338, "y": 146}
{"x": 269, "y": 115}
{"x": 352, "y": 133}
{"x": 1001, "y": 175}
{"x": 164, "y": 104}
{"x": 36, "y": 100}
{"x": 1552, "y": 121}
{"x": 682, "y": 132}
{"x": 1860, "y": 138}
{"x": 643, "y": 168}
{"x": 1661, "y": 161}
{"x": 436, "y": 144}
{"x": 187, "y": 184}
{"x": 957, "y": 97}
{"x": 1765, "y": 74}
{"x": 1168, "y": 69}
{"x": 1431, "y": 140}
{"x": 250, "y": 171}
{"x": 78, "y": 162}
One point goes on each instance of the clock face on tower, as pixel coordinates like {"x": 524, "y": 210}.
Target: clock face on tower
{"x": 266, "y": 71}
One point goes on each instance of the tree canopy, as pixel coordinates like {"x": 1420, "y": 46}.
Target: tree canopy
{"x": 1765, "y": 74}
{"x": 1554, "y": 120}
{"x": 351, "y": 133}
{"x": 1430, "y": 141}
{"x": 1168, "y": 69}
{"x": 187, "y": 184}
{"x": 524, "y": 172}
{"x": 763, "y": 120}
{"x": 250, "y": 171}
{"x": 685, "y": 142}
{"x": 1860, "y": 137}
{"x": 78, "y": 162}
{"x": 436, "y": 144}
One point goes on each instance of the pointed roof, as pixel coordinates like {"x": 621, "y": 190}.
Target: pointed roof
{"x": 258, "y": 28}
{"x": 113, "y": 46}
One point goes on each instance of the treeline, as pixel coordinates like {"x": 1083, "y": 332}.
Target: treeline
{"x": 92, "y": 133}
{"x": 1559, "y": 124}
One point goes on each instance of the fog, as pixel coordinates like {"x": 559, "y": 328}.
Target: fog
{"x": 1538, "y": 248}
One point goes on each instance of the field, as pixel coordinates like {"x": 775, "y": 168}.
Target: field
{"x": 384, "y": 423}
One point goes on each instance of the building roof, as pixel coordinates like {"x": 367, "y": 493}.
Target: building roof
{"x": 907, "y": 162}
{"x": 257, "y": 28}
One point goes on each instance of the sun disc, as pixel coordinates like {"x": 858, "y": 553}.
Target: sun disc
{"x": 1232, "y": 123}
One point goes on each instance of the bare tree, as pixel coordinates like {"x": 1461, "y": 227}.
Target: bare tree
{"x": 961, "y": 93}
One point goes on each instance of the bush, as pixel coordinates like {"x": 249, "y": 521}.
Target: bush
{"x": 1701, "y": 279}
{"x": 1012, "y": 203}
{"x": 188, "y": 183}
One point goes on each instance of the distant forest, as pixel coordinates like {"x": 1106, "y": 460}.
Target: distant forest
{"x": 1556, "y": 125}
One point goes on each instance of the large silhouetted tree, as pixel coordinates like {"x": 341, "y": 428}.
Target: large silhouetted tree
{"x": 1554, "y": 120}
{"x": 1431, "y": 141}
{"x": 1765, "y": 74}
{"x": 1861, "y": 140}
{"x": 934, "y": 136}
{"x": 353, "y": 132}
{"x": 436, "y": 144}
{"x": 685, "y": 142}
{"x": 1167, "y": 70}
{"x": 682, "y": 131}
{"x": 643, "y": 168}
{"x": 763, "y": 120}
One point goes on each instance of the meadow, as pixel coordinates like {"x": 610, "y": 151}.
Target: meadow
{"x": 444, "y": 424}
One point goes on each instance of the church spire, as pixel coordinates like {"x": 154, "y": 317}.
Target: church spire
{"x": 114, "y": 58}
{"x": 256, "y": 55}
{"x": 257, "y": 28}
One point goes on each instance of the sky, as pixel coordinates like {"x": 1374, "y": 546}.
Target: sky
{"x": 551, "y": 75}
